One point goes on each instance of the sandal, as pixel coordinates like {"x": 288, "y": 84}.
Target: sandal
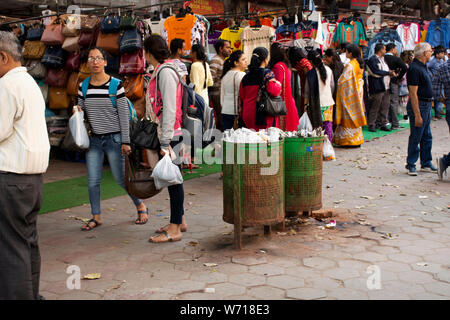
{"x": 87, "y": 227}
{"x": 169, "y": 238}
{"x": 163, "y": 229}
{"x": 139, "y": 220}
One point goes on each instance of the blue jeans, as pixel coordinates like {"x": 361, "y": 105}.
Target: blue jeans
{"x": 109, "y": 144}
{"x": 447, "y": 112}
{"x": 420, "y": 137}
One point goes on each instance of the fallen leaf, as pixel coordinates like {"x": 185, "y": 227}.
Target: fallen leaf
{"x": 192, "y": 243}
{"x": 192, "y": 193}
{"x": 210, "y": 264}
{"x": 338, "y": 201}
{"x": 423, "y": 197}
{"x": 367, "y": 197}
{"x": 92, "y": 276}
{"x": 292, "y": 232}
{"x": 422, "y": 264}
{"x": 282, "y": 233}
{"x": 359, "y": 207}
{"x": 111, "y": 209}
{"x": 403, "y": 194}
{"x": 117, "y": 287}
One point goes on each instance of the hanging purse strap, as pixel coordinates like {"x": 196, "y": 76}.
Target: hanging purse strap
{"x": 234, "y": 94}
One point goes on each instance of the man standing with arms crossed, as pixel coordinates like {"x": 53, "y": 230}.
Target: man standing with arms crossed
{"x": 24, "y": 153}
{"x": 419, "y": 111}
{"x": 223, "y": 49}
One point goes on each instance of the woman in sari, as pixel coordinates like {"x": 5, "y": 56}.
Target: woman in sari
{"x": 350, "y": 116}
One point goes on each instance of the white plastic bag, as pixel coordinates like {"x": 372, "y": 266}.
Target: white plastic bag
{"x": 328, "y": 151}
{"x": 305, "y": 123}
{"x": 166, "y": 173}
{"x": 78, "y": 130}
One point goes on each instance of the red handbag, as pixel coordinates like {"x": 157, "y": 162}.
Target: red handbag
{"x": 73, "y": 62}
{"x": 57, "y": 78}
{"x": 53, "y": 34}
{"x": 132, "y": 63}
{"x": 88, "y": 39}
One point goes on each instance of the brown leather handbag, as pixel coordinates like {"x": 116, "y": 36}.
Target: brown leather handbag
{"x": 53, "y": 33}
{"x": 73, "y": 83}
{"x": 71, "y": 44}
{"x": 33, "y": 49}
{"x": 109, "y": 42}
{"x": 58, "y": 98}
{"x": 85, "y": 72}
{"x": 87, "y": 39}
{"x": 57, "y": 78}
{"x": 140, "y": 105}
{"x": 138, "y": 180}
{"x": 134, "y": 86}
{"x": 132, "y": 63}
{"x": 89, "y": 24}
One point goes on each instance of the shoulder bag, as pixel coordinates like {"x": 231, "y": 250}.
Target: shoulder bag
{"x": 130, "y": 41}
{"x": 138, "y": 180}
{"x": 35, "y": 33}
{"x": 134, "y": 87}
{"x": 58, "y": 98}
{"x": 129, "y": 21}
{"x": 271, "y": 106}
{"x": 132, "y": 63}
{"x": 108, "y": 42}
{"x": 110, "y": 24}
{"x": 54, "y": 57}
{"x": 57, "y": 78}
{"x": 33, "y": 49}
{"x": 36, "y": 69}
{"x": 53, "y": 33}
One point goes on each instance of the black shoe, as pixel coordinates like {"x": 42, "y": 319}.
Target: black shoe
{"x": 385, "y": 128}
{"x": 396, "y": 127}
{"x": 372, "y": 129}
{"x": 405, "y": 117}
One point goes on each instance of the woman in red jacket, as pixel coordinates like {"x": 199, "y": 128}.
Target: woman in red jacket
{"x": 250, "y": 85}
{"x": 279, "y": 63}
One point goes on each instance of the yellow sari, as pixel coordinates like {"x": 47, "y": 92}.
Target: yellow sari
{"x": 350, "y": 115}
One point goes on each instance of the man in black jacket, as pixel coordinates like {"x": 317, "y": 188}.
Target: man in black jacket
{"x": 395, "y": 64}
{"x": 379, "y": 79}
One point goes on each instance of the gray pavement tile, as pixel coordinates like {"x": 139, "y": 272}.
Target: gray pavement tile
{"x": 403, "y": 257}
{"x": 306, "y": 294}
{"x": 319, "y": 263}
{"x": 428, "y": 296}
{"x": 387, "y": 295}
{"x": 347, "y": 294}
{"x": 266, "y": 293}
{"x": 266, "y": 270}
{"x": 341, "y": 273}
{"x": 248, "y": 260}
{"x": 228, "y": 289}
{"x": 79, "y": 295}
{"x": 415, "y": 277}
{"x": 371, "y": 257}
{"x": 209, "y": 277}
{"x": 323, "y": 283}
{"x": 443, "y": 276}
{"x": 248, "y": 280}
{"x": 440, "y": 288}
{"x": 285, "y": 282}
{"x": 183, "y": 286}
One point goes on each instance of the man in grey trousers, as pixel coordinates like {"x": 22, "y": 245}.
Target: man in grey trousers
{"x": 24, "y": 154}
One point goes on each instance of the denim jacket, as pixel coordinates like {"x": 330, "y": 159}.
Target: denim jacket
{"x": 439, "y": 33}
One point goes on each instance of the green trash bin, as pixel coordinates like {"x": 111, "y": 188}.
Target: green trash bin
{"x": 251, "y": 198}
{"x": 303, "y": 174}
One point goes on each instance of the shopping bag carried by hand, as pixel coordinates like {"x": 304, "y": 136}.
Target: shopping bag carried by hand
{"x": 328, "y": 151}
{"x": 166, "y": 173}
{"x": 78, "y": 130}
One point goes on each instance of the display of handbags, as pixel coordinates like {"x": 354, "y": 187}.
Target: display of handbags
{"x": 130, "y": 41}
{"x": 71, "y": 29}
{"x": 44, "y": 89}
{"x": 113, "y": 64}
{"x": 73, "y": 84}
{"x": 54, "y": 57}
{"x": 110, "y": 24}
{"x": 71, "y": 44}
{"x": 53, "y": 33}
{"x": 108, "y": 42}
{"x": 87, "y": 39}
{"x": 89, "y": 24}
{"x": 58, "y": 98}
{"x": 84, "y": 72}
{"x": 57, "y": 78}
{"x": 36, "y": 69}
{"x": 129, "y": 21}
{"x": 132, "y": 63}
{"x": 33, "y": 49}
{"x": 73, "y": 62}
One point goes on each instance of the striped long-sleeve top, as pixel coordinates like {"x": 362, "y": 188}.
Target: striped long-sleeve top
{"x": 103, "y": 117}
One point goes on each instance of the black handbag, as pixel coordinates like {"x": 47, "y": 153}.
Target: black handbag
{"x": 113, "y": 64}
{"x": 128, "y": 21}
{"x": 130, "y": 41}
{"x": 110, "y": 24}
{"x": 144, "y": 134}
{"x": 35, "y": 33}
{"x": 54, "y": 57}
{"x": 271, "y": 106}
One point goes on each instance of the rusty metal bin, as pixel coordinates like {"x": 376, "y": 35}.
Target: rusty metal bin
{"x": 251, "y": 198}
{"x": 303, "y": 174}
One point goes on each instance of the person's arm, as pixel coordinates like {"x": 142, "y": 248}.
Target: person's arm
{"x": 167, "y": 83}
{"x": 124, "y": 115}
{"x": 415, "y": 105}
{"x": 9, "y": 110}
{"x": 403, "y": 68}
{"x": 209, "y": 80}
{"x": 372, "y": 63}
{"x": 195, "y": 77}
{"x": 279, "y": 75}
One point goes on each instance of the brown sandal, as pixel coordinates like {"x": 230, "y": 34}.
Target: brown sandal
{"x": 169, "y": 238}
{"x": 87, "y": 227}
{"x": 163, "y": 229}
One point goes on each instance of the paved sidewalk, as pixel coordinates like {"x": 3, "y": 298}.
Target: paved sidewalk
{"x": 387, "y": 219}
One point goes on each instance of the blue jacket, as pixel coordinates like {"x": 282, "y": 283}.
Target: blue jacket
{"x": 438, "y": 33}
{"x": 376, "y": 75}
{"x": 386, "y": 36}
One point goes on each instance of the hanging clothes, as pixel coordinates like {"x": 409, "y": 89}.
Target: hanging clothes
{"x": 203, "y": 31}
{"x": 182, "y": 28}
{"x": 423, "y": 30}
{"x": 386, "y": 36}
{"x": 256, "y": 37}
{"x": 352, "y": 32}
{"x": 307, "y": 44}
{"x": 409, "y": 34}
{"x": 157, "y": 26}
{"x": 328, "y": 30}
{"x": 286, "y": 34}
{"x": 439, "y": 33}
{"x": 307, "y": 29}
{"x": 234, "y": 37}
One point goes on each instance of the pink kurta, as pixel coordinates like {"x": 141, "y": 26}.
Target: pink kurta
{"x": 283, "y": 75}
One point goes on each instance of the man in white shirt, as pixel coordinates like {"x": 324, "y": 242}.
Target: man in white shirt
{"x": 343, "y": 53}
{"x": 24, "y": 153}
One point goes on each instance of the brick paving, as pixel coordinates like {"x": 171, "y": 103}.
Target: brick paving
{"x": 386, "y": 219}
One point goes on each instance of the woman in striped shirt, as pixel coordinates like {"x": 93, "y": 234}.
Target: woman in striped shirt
{"x": 110, "y": 134}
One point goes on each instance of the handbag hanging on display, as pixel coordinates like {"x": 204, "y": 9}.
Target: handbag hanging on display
{"x": 54, "y": 57}
{"x": 35, "y": 33}
{"x": 36, "y": 69}
{"x": 53, "y": 33}
{"x": 110, "y": 24}
{"x": 108, "y": 42}
{"x": 88, "y": 39}
{"x": 113, "y": 64}
{"x": 132, "y": 63}
{"x": 73, "y": 62}
{"x": 33, "y": 49}
{"x": 89, "y": 24}
{"x": 84, "y": 72}
{"x": 134, "y": 87}
{"x": 130, "y": 41}
{"x": 58, "y": 98}
{"x": 57, "y": 78}
{"x": 128, "y": 21}
{"x": 71, "y": 29}
{"x": 73, "y": 84}
{"x": 71, "y": 44}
